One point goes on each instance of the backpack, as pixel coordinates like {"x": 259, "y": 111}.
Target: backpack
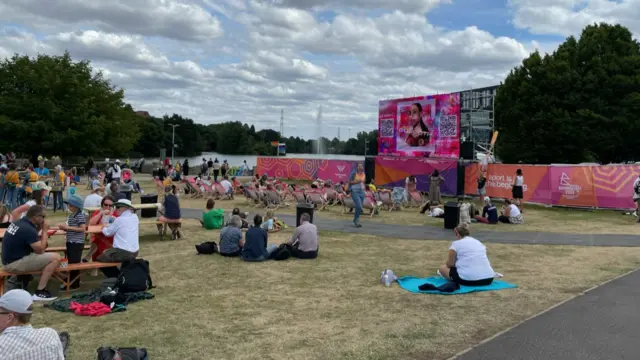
{"x": 207, "y": 248}
{"x": 282, "y": 253}
{"x": 111, "y": 353}
{"x": 134, "y": 276}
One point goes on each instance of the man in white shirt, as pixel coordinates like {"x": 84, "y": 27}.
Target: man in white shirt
{"x": 93, "y": 200}
{"x": 18, "y": 339}
{"x": 228, "y": 187}
{"x": 124, "y": 230}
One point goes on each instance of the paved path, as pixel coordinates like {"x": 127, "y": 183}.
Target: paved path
{"x": 436, "y": 233}
{"x": 602, "y": 324}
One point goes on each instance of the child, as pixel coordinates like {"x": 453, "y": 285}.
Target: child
{"x": 75, "y": 228}
{"x": 270, "y": 222}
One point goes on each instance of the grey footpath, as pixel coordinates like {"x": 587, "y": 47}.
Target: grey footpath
{"x": 604, "y": 323}
{"x": 435, "y": 233}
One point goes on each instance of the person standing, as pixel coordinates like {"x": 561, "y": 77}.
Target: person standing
{"x": 216, "y": 169}
{"x": 75, "y": 228}
{"x": 185, "y": 167}
{"x": 517, "y": 190}
{"x": 636, "y": 196}
{"x": 435, "y": 181}
{"x": 117, "y": 172}
{"x": 224, "y": 169}
{"x": 356, "y": 187}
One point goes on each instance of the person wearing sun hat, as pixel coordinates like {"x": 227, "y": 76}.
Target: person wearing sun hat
{"x": 75, "y": 227}
{"x": 18, "y": 339}
{"x": 124, "y": 230}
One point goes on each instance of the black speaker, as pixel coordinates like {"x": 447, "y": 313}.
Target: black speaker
{"x": 451, "y": 215}
{"x": 148, "y": 199}
{"x": 467, "y": 150}
{"x": 304, "y": 208}
{"x": 461, "y": 167}
{"x": 369, "y": 168}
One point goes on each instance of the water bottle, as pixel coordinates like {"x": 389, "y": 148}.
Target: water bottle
{"x": 387, "y": 279}
{"x": 106, "y": 219}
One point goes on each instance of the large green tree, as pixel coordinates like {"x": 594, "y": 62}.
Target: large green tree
{"x": 52, "y": 105}
{"x": 580, "y": 103}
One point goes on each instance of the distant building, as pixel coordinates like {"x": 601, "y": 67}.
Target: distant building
{"x": 143, "y": 113}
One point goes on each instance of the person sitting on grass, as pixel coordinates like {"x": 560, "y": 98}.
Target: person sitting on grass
{"x": 270, "y": 222}
{"x": 242, "y": 215}
{"x": 489, "y": 213}
{"x": 18, "y": 339}
{"x": 304, "y": 241}
{"x": 467, "y": 262}
{"x": 100, "y": 242}
{"x": 75, "y": 228}
{"x": 212, "y": 218}
{"x": 231, "y": 241}
{"x": 23, "y": 250}
{"x": 255, "y": 245}
{"x": 510, "y": 213}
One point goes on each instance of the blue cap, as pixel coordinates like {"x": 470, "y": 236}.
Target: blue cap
{"x": 76, "y": 201}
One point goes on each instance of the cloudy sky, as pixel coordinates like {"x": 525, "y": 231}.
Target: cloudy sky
{"x": 222, "y": 60}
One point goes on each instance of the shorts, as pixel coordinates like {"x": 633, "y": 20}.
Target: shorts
{"x": 516, "y": 192}
{"x": 29, "y": 263}
{"x": 453, "y": 274}
{"x": 482, "y": 192}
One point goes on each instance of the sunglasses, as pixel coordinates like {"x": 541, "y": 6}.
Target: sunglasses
{"x": 107, "y": 205}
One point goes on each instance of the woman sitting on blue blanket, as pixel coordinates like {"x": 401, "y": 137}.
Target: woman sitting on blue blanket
{"x": 467, "y": 263}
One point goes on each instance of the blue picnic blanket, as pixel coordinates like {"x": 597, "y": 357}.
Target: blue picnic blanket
{"x": 411, "y": 283}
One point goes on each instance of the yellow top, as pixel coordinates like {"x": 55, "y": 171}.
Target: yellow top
{"x": 167, "y": 182}
{"x": 12, "y": 177}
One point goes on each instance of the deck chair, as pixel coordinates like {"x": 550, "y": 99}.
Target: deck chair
{"x": 208, "y": 190}
{"x": 221, "y": 192}
{"x": 415, "y": 199}
{"x": 299, "y": 196}
{"x": 317, "y": 199}
{"x": 387, "y": 201}
{"x": 348, "y": 205}
{"x": 332, "y": 196}
{"x": 272, "y": 199}
{"x": 252, "y": 195}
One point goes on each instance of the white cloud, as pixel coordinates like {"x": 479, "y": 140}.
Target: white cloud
{"x": 410, "y": 6}
{"x": 569, "y": 17}
{"x": 268, "y": 58}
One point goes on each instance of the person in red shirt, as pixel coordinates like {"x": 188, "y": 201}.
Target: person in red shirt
{"x": 99, "y": 242}
{"x": 166, "y": 162}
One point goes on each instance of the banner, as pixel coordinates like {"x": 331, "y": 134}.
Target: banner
{"x": 306, "y": 169}
{"x": 608, "y": 186}
{"x": 393, "y": 171}
{"x": 424, "y": 126}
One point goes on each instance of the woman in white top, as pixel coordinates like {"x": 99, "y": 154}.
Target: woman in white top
{"x": 517, "y": 190}
{"x": 467, "y": 263}
{"x": 510, "y": 213}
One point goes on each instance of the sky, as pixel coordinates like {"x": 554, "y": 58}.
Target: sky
{"x": 227, "y": 60}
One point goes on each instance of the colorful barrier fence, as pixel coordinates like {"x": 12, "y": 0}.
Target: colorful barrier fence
{"x": 392, "y": 171}
{"x": 609, "y": 186}
{"x": 306, "y": 169}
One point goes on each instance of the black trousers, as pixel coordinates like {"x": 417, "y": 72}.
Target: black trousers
{"x": 216, "y": 173}
{"x": 74, "y": 255}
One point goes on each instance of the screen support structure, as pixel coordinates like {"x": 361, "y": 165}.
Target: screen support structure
{"x": 477, "y": 116}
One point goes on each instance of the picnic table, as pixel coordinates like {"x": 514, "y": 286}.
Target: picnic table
{"x": 137, "y": 206}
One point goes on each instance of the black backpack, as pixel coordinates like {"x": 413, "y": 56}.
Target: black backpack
{"x": 282, "y": 253}
{"x": 134, "y": 276}
{"x": 109, "y": 353}
{"x": 208, "y": 248}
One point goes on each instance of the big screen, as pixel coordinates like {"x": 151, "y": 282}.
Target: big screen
{"x": 423, "y": 126}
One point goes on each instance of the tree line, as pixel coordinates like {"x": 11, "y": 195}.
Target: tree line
{"x": 54, "y": 106}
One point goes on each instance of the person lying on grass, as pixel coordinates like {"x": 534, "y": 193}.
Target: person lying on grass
{"x": 467, "y": 262}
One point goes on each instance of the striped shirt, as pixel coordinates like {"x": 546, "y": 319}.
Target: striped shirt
{"x": 76, "y": 220}
{"x": 27, "y": 343}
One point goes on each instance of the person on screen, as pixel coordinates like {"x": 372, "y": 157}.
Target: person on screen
{"x": 419, "y": 134}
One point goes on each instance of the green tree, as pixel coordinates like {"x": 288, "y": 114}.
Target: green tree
{"x": 55, "y": 106}
{"x": 580, "y": 103}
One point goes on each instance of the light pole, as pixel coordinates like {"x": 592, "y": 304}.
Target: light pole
{"x": 173, "y": 141}
{"x": 366, "y": 145}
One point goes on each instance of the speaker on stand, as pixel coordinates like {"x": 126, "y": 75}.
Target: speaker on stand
{"x": 369, "y": 168}
{"x": 467, "y": 150}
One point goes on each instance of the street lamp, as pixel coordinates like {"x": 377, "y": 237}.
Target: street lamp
{"x": 173, "y": 140}
{"x": 366, "y": 145}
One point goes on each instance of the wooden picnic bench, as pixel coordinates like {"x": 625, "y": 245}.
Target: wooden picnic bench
{"x": 61, "y": 274}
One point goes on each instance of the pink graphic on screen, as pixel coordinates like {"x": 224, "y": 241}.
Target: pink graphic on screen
{"x": 424, "y": 126}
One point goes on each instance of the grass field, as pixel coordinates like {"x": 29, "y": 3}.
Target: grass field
{"x": 537, "y": 218}
{"x": 210, "y": 307}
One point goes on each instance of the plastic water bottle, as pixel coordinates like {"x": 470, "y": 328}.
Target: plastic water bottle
{"x": 387, "y": 280}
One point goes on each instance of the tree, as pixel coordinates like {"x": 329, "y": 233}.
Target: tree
{"x": 580, "y": 103}
{"x": 55, "y": 106}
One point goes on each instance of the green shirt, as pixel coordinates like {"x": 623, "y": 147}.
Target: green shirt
{"x": 213, "y": 219}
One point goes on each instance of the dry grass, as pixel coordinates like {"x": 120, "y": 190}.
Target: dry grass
{"x": 210, "y": 307}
